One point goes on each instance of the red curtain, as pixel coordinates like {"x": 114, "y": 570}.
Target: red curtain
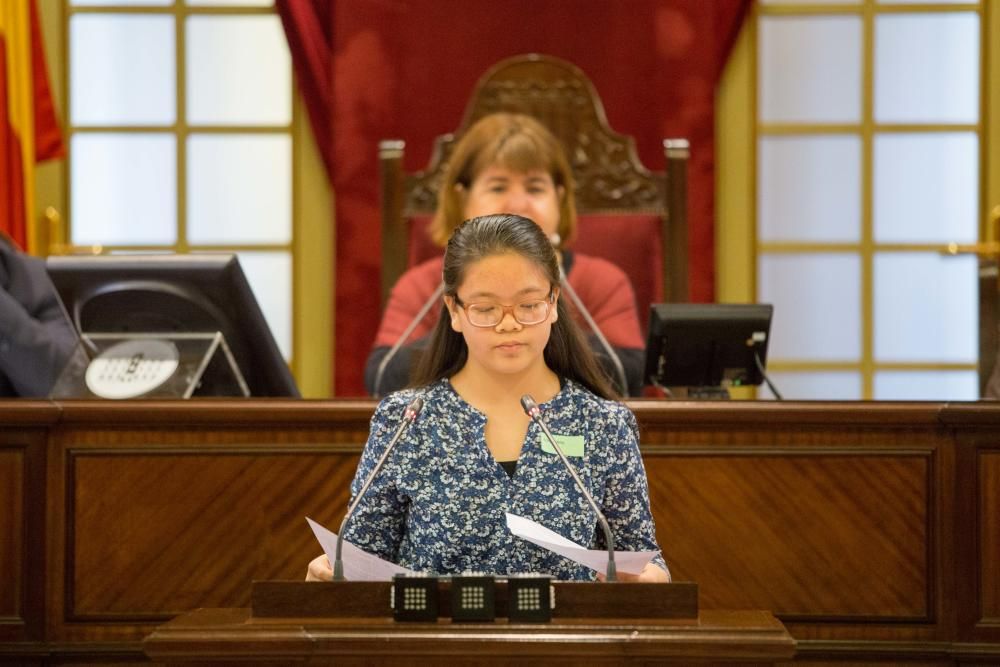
{"x": 405, "y": 69}
{"x": 309, "y": 29}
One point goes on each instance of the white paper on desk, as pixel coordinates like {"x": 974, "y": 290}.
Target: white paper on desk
{"x": 629, "y": 562}
{"x": 359, "y": 565}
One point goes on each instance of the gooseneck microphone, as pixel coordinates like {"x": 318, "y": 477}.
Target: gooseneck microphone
{"x": 533, "y": 411}
{"x": 417, "y": 319}
{"x": 409, "y": 416}
{"x": 619, "y": 369}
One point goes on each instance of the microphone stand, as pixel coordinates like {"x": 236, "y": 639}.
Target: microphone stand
{"x": 619, "y": 369}
{"x": 418, "y": 318}
{"x": 409, "y": 416}
{"x": 533, "y": 411}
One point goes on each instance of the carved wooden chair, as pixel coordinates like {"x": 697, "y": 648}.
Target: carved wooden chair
{"x": 627, "y": 214}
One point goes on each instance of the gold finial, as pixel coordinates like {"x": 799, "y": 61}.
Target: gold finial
{"x": 985, "y": 249}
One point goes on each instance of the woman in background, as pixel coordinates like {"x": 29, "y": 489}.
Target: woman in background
{"x": 510, "y": 163}
{"x": 473, "y": 454}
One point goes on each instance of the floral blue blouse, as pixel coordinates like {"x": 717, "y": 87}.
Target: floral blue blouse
{"x": 438, "y": 504}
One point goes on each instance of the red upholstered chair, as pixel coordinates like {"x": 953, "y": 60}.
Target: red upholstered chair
{"x": 627, "y": 214}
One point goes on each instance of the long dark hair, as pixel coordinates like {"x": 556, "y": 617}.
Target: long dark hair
{"x": 566, "y": 354}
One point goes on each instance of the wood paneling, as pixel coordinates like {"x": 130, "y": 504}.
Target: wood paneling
{"x": 22, "y": 529}
{"x": 977, "y": 525}
{"x": 193, "y": 528}
{"x": 871, "y": 529}
{"x": 808, "y": 535}
{"x": 989, "y": 543}
{"x": 11, "y": 533}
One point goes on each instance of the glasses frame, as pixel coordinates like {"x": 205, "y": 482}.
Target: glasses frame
{"x": 549, "y": 301}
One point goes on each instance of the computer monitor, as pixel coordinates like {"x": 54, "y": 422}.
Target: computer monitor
{"x": 182, "y": 294}
{"x": 707, "y": 345}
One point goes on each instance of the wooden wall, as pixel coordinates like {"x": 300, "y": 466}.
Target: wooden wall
{"x": 871, "y": 529}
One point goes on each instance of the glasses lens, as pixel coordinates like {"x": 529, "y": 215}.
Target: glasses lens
{"x": 484, "y": 314}
{"x": 531, "y": 312}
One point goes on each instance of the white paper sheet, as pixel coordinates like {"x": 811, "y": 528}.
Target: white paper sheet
{"x": 629, "y": 562}
{"x": 359, "y": 565}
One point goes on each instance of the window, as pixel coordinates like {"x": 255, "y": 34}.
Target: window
{"x": 869, "y": 161}
{"x": 184, "y": 136}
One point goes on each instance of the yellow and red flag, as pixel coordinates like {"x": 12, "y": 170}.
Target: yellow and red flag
{"x": 29, "y": 130}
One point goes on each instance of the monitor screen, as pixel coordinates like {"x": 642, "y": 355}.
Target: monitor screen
{"x": 707, "y": 344}
{"x": 204, "y": 293}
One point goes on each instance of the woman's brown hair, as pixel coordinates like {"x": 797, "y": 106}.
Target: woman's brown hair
{"x": 515, "y": 141}
{"x": 566, "y": 353}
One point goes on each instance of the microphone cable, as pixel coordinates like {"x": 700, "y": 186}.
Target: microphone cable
{"x": 763, "y": 374}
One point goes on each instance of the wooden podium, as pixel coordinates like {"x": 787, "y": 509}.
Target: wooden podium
{"x": 350, "y": 623}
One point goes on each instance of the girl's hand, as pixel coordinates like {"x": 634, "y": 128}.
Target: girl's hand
{"x": 651, "y": 574}
{"x": 320, "y": 570}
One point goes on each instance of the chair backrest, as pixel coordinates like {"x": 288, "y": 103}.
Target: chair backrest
{"x": 627, "y": 214}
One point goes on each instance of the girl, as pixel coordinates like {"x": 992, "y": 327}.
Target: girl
{"x": 473, "y": 454}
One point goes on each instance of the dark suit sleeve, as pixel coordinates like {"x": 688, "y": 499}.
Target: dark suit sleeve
{"x": 36, "y": 338}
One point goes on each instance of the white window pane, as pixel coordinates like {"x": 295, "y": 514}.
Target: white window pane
{"x": 122, "y": 70}
{"x": 926, "y": 187}
{"x": 810, "y": 69}
{"x": 230, "y": 3}
{"x": 124, "y": 189}
{"x": 239, "y": 188}
{"x": 927, "y": 68}
{"x": 817, "y": 306}
{"x": 121, "y": 3}
{"x": 926, "y": 308}
{"x": 814, "y": 386}
{"x": 926, "y": 386}
{"x": 810, "y": 188}
{"x": 927, "y": 2}
{"x": 270, "y": 277}
{"x": 239, "y": 71}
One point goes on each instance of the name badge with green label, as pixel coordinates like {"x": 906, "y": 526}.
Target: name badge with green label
{"x": 571, "y": 445}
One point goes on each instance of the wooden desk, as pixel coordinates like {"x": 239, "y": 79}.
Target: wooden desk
{"x": 871, "y": 530}
{"x": 220, "y": 636}
{"x": 591, "y": 624}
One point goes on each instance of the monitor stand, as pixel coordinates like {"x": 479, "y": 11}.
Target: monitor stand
{"x": 151, "y": 365}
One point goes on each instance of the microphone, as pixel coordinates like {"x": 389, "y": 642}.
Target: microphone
{"x": 409, "y": 416}
{"x": 436, "y": 296}
{"x": 533, "y": 411}
{"x": 619, "y": 369}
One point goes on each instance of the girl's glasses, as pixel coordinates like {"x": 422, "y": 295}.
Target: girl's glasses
{"x": 488, "y": 314}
